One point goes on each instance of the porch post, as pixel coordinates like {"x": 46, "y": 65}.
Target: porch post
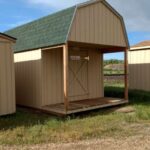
{"x": 126, "y": 73}
{"x": 65, "y": 75}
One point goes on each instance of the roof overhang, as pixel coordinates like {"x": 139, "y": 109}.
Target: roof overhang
{"x": 113, "y": 10}
{"x": 139, "y": 48}
{"x": 7, "y": 37}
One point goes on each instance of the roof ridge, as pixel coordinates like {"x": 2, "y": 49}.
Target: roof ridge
{"x": 88, "y": 3}
{"x": 141, "y": 45}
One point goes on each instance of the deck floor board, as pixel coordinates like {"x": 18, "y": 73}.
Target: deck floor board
{"x": 84, "y": 105}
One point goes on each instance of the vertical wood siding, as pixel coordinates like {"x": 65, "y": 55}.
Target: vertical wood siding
{"x": 94, "y": 77}
{"x": 78, "y": 74}
{"x": 96, "y": 88}
{"x": 97, "y": 24}
{"x": 7, "y": 79}
{"x": 139, "y": 70}
{"x": 39, "y": 82}
{"x": 52, "y": 76}
{"x": 28, "y": 78}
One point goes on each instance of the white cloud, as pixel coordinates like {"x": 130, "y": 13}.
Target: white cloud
{"x": 135, "y": 12}
{"x": 19, "y": 23}
{"x": 13, "y": 25}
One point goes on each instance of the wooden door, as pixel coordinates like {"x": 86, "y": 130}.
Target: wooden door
{"x": 78, "y": 74}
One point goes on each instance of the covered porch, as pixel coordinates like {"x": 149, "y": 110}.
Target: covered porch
{"x": 70, "y": 106}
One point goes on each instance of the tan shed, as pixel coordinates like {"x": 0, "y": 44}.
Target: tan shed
{"x": 139, "y": 66}
{"x": 7, "y": 78}
{"x": 59, "y": 58}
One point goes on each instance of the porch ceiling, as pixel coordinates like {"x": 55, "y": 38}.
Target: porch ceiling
{"x": 102, "y": 48}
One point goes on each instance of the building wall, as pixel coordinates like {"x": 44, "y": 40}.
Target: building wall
{"x": 28, "y": 78}
{"x": 97, "y": 24}
{"x": 139, "y": 70}
{"x": 39, "y": 77}
{"x": 7, "y": 79}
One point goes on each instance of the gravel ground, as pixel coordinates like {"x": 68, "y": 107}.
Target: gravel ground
{"x": 130, "y": 143}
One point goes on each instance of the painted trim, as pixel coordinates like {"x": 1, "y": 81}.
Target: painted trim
{"x": 121, "y": 19}
{"x": 7, "y": 37}
{"x": 77, "y": 7}
{"x": 70, "y": 27}
{"x": 139, "y": 48}
{"x": 53, "y": 47}
{"x": 47, "y": 47}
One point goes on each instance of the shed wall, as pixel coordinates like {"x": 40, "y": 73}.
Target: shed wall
{"x": 139, "y": 70}
{"x": 52, "y": 65}
{"x": 7, "y": 78}
{"x": 97, "y": 24}
{"x": 28, "y": 78}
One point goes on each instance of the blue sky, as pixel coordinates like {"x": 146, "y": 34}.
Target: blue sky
{"x": 137, "y": 19}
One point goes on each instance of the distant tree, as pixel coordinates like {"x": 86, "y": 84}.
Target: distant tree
{"x": 113, "y": 61}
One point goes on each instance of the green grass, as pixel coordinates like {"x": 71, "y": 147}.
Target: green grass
{"x": 111, "y": 71}
{"x": 26, "y": 127}
{"x": 140, "y": 100}
{"x": 118, "y": 84}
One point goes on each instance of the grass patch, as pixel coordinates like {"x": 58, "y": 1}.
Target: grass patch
{"x": 26, "y": 127}
{"x": 140, "y": 100}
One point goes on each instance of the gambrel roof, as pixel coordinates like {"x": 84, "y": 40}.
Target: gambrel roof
{"x": 47, "y": 31}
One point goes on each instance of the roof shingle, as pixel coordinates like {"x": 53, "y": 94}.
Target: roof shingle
{"x": 47, "y": 31}
{"x": 141, "y": 44}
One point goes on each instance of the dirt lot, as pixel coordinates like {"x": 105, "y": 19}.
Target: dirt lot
{"x": 131, "y": 143}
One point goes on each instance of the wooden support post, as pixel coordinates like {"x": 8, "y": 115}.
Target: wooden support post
{"x": 126, "y": 73}
{"x": 65, "y": 75}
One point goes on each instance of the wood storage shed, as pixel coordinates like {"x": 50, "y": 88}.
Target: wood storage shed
{"x": 139, "y": 66}
{"x": 59, "y": 58}
{"x": 7, "y": 78}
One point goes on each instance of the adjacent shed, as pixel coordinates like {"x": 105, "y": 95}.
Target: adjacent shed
{"x": 59, "y": 58}
{"x": 7, "y": 78}
{"x": 139, "y": 66}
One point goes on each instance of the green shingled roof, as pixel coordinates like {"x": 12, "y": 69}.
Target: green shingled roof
{"x": 48, "y": 31}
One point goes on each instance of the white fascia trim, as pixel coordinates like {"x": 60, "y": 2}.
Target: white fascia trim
{"x": 67, "y": 37}
{"x": 138, "y": 48}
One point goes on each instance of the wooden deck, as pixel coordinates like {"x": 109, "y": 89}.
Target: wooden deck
{"x": 84, "y": 105}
